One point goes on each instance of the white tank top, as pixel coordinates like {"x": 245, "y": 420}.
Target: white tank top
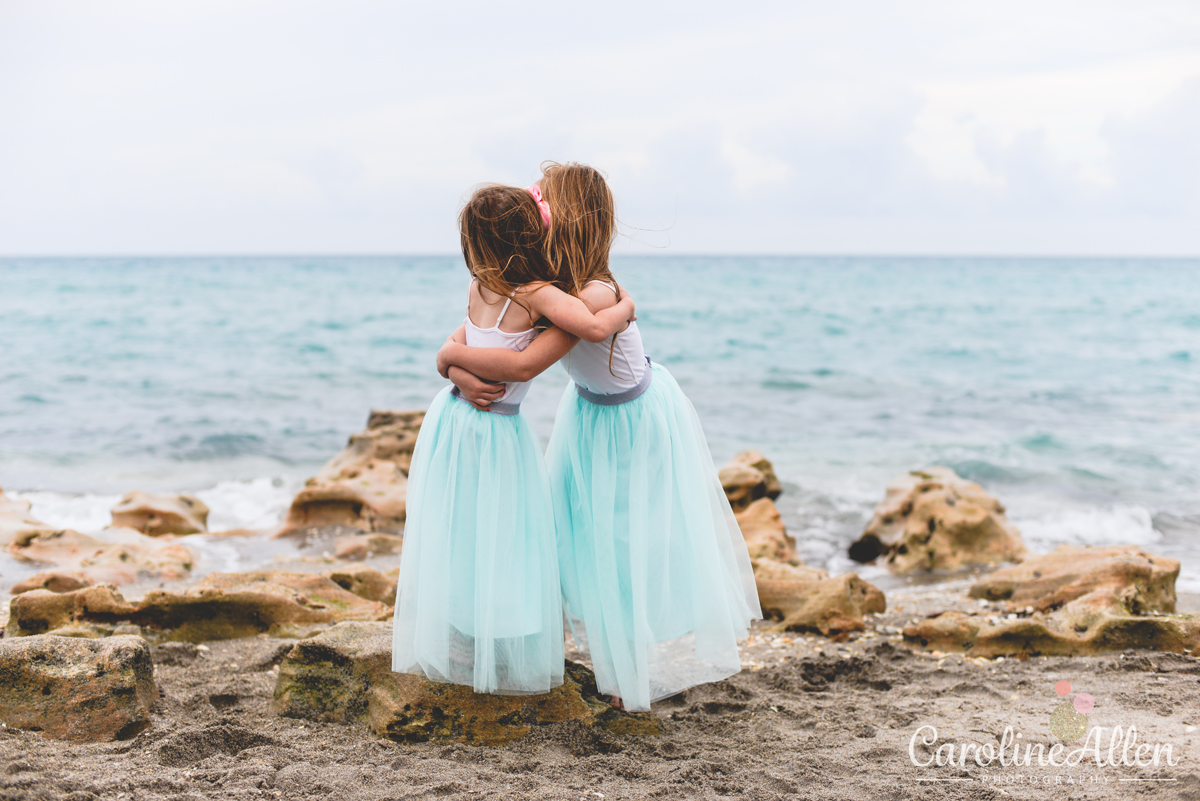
{"x": 514, "y": 391}
{"x": 588, "y": 362}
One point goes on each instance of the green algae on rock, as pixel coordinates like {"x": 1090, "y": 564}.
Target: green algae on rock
{"x": 345, "y": 675}
{"x": 80, "y": 690}
{"x": 1073, "y": 601}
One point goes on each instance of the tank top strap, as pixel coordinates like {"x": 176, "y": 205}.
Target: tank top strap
{"x": 504, "y": 310}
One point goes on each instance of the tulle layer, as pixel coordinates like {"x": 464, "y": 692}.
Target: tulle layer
{"x": 657, "y": 583}
{"x": 479, "y": 600}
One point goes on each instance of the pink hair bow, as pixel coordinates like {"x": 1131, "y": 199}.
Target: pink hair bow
{"x": 542, "y": 205}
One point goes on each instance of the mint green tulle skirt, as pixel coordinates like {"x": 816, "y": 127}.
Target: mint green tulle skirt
{"x": 657, "y": 583}
{"x": 478, "y": 600}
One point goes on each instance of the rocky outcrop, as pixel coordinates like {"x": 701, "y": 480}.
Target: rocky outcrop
{"x": 123, "y": 556}
{"x": 797, "y": 597}
{"x": 222, "y": 606}
{"x": 748, "y": 477}
{"x": 764, "y": 532}
{"x": 367, "y": 582}
{"x": 16, "y": 521}
{"x": 344, "y": 675}
{"x": 833, "y": 606}
{"x": 933, "y": 520}
{"x": 1069, "y": 602}
{"x": 771, "y": 570}
{"x": 1140, "y": 582}
{"x": 81, "y": 690}
{"x": 53, "y": 581}
{"x": 156, "y": 515}
{"x": 357, "y": 547}
{"x": 364, "y": 486}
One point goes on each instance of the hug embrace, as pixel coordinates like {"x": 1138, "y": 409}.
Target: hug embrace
{"x": 621, "y": 529}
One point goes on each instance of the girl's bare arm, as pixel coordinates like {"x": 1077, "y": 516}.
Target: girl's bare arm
{"x": 501, "y": 364}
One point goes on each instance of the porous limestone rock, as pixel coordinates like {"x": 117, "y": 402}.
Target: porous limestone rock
{"x": 771, "y": 570}
{"x": 748, "y": 477}
{"x": 345, "y": 675}
{"x": 122, "y": 556}
{"x": 365, "y": 485}
{"x": 1141, "y": 582}
{"x": 366, "y": 582}
{"x": 764, "y": 532}
{"x": 833, "y": 606}
{"x": 934, "y": 520}
{"x": 1073, "y": 601}
{"x": 155, "y": 515}
{"x": 80, "y": 690}
{"x": 16, "y": 520}
{"x": 357, "y": 547}
{"x": 54, "y": 581}
{"x": 222, "y": 606}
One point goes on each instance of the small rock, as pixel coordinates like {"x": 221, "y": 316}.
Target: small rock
{"x": 764, "y": 532}
{"x": 365, "y": 485}
{"x": 358, "y": 547}
{"x": 53, "y": 581}
{"x": 934, "y": 520}
{"x": 73, "y": 689}
{"x": 748, "y": 477}
{"x": 833, "y": 606}
{"x": 344, "y": 675}
{"x": 366, "y": 582}
{"x": 155, "y": 515}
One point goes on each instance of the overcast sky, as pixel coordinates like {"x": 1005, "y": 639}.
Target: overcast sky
{"x": 1006, "y": 127}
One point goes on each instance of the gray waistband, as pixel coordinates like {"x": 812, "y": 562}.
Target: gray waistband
{"x": 617, "y": 398}
{"x": 507, "y": 409}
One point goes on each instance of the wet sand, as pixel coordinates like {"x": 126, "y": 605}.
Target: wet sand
{"x": 806, "y": 718}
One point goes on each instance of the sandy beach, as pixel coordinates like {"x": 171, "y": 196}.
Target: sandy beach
{"x": 807, "y": 718}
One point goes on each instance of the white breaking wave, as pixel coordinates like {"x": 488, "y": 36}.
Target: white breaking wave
{"x": 1121, "y": 524}
{"x": 259, "y": 503}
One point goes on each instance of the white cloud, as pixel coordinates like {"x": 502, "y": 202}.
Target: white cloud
{"x": 267, "y": 126}
{"x": 1068, "y": 108}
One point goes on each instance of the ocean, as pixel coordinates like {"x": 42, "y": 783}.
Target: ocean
{"x": 1068, "y": 388}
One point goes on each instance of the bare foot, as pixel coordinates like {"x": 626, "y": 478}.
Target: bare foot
{"x": 616, "y": 703}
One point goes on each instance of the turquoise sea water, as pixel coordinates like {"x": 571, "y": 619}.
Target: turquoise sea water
{"x": 1070, "y": 388}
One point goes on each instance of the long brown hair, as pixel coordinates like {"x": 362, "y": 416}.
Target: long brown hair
{"x": 502, "y": 237}
{"x": 583, "y": 224}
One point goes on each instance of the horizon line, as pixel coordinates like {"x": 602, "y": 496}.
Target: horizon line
{"x": 709, "y": 255}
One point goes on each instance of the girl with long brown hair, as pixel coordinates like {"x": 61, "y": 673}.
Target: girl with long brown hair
{"x": 479, "y": 594}
{"x": 656, "y": 579}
